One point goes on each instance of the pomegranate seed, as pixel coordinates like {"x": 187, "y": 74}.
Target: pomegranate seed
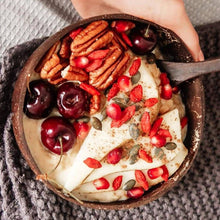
{"x": 175, "y": 89}
{"x": 158, "y": 140}
{"x": 93, "y": 65}
{"x": 74, "y": 33}
{"x": 124, "y": 83}
{"x": 184, "y": 122}
{"x": 114, "y": 111}
{"x": 144, "y": 156}
{"x": 164, "y": 79}
{"x": 101, "y": 183}
{"x": 92, "y": 163}
{"x": 126, "y": 115}
{"x": 82, "y": 129}
{"x": 136, "y": 94}
{"x": 165, "y": 133}
{"x": 98, "y": 54}
{"x": 150, "y": 102}
{"x": 135, "y": 66}
{"x": 145, "y": 122}
{"x": 141, "y": 179}
{"x": 126, "y": 39}
{"x": 114, "y": 156}
{"x": 89, "y": 88}
{"x": 166, "y": 92}
{"x": 165, "y": 174}
{"x": 135, "y": 192}
{"x": 117, "y": 182}
{"x": 155, "y": 127}
{"x": 122, "y": 26}
{"x": 113, "y": 91}
{"x": 155, "y": 172}
{"x": 81, "y": 62}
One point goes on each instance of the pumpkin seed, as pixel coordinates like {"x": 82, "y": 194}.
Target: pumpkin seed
{"x": 159, "y": 153}
{"x": 121, "y": 102}
{"x": 135, "y": 78}
{"x": 133, "y": 159}
{"x": 103, "y": 114}
{"x": 151, "y": 58}
{"x": 85, "y": 119}
{"x": 170, "y": 146}
{"x": 129, "y": 185}
{"x": 134, "y": 150}
{"x": 96, "y": 123}
{"x": 134, "y": 131}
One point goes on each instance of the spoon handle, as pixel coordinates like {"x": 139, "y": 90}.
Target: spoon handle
{"x": 179, "y": 72}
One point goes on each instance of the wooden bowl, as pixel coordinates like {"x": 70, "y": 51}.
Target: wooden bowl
{"x": 193, "y": 94}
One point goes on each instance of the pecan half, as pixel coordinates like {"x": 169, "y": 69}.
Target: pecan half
{"x": 95, "y": 103}
{"x": 65, "y": 47}
{"x": 74, "y": 73}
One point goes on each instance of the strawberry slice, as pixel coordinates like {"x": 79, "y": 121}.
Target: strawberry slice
{"x": 113, "y": 91}
{"x": 165, "y": 174}
{"x": 114, "y": 156}
{"x": 136, "y": 94}
{"x": 74, "y": 33}
{"x": 184, "y": 122}
{"x": 165, "y": 133}
{"x": 126, "y": 39}
{"x": 166, "y": 92}
{"x": 141, "y": 179}
{"x": 82, "y": 129}
{"x": 122, "y": 25}
{"x": 126, "y": 115}
{"x": 158, "y": 140}
{"x": 101, "y": 183}
{"x": 155, "y": 172}
{"x": 164, "y": 79}
{"x": 150, "y": 102}
{"x": 93, "y": 65}
{"x": 117, "y": 182}
{"x": 114, "y": 111}
{"x": 89, "y": 88}
{"x": 145, "y": 122}
{"x": 98, "y": 54}
{"x": 144, "y": 156}
{"x": 135, "y": 66}
{"x": 135, "y": 192}
{"x": 124, "y": 83}
{"x": 155, "y": 127}
{"x": 92, "y": 163}
{"x": 80, "y": 62}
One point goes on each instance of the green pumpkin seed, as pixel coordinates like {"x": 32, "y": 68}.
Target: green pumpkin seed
{"x": 85, "y": 119}
{"x": 134, "y": 131}
{"x": 96, "y": 123}
{"x": 170, "y": 146}
{"x": 103, "y": 114}
{"x": 133, "y": 159}
{"x": 158, "y": 152}
{"x": 135, "y": 78}
{"x": 121, "y": 102}
{"x": 151, "y": 58}
{"x": 134, "y": 150}
{"x": 129, "y": 185}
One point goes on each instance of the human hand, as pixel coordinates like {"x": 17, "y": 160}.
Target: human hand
{"x": 167, "y": 13}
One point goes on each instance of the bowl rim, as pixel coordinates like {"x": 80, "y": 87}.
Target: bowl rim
{"x": 159, "y": 189}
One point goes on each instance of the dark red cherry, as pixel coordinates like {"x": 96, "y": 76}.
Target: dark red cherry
{"x": 40, "y": 101}
{"x": 143, "y": 40}
{"x": 72, "y": 101}
{"x": 56, "y": 131}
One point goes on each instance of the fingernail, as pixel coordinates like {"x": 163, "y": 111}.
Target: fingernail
{"x": 201, "y": 56}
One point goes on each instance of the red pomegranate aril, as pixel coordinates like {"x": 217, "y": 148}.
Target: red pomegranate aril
{"x": 145, "y": 122}
{"x": 89, "y": 88}
{"x": 165, "y": 133}
{"x": 135, "y": 192}
{"x": 92, "y": 163}
{"x": 158, "y": 140}
{"x": 114, "y": 156}
{"x": 165, "y": 174}
{"x": 150, "y": 102}
{"x": 164, "y": 79}
{"x": 93, "y": 65}
{"x": 98, "y": 54}
{"x": 114, "y": 111}
{"x": 101, "y": 183}
{"x": 124, "y": 83}
{"x": 82, "y": 129}
{"x": 122, "y": 26}
{"x": 175, "y": 89}
{"x": 74, "y": 33}
{"x": 136, "y": 94}
{"x": 135, "y": 66}
{"x": 155, "y": 172}
{"x": 81, "y": 62}
{"x": 141, "y": 179}
{"x": 113, "y": 91}
{"x": 117, "y": 182}
{"x": 144, "y": 156}
{"x": 184, "y": 122}
{"x": 126, "y": 39}
{"x": 155, "y": 127}
{"x": 166, "y": 92}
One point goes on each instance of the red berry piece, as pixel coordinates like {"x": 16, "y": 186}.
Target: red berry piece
{"x": 114, "y": 156}
{"x": 89, "y": 88}
{"x": 135, "y": 192}
{"x": 141, "y": 179}
{"x": 136, "y": 94}
{"x": 101, "y": 183}
{"x": 93, "y": 65}
{"x": 80, "y": 62}
{"x": 117, "y": 182}
{"x": 82, "y": 129}
{"x": 165, "y": 133}
{"x": 122, "y": 25}
{"x": 113, "y": 91}
{"x": 74, "y": 33}
{"x": 126, "y": 39}
{"x": 92, "y": 163}
{"x": 98, "y": 54}
{"x": 158, "y": 140}
{"x": 144, "y": 156}
{"x": 184, "y": 122}
{"x": 165, "y": 174}
{"x": 145, "y": 122}
{"x": 135, "y": 66}
{"x": 155, "y": 127}
{"x": 155, "y": 172}
{"x": 166, "y": 92}
{"x": 114, "y": 111}
{"x": 124, "y": 83}
{"x": 57, "y": 134}
{"x": 175, "y": 89}
{"x": 164, "y": 79}
{"x": 150, "y": 102}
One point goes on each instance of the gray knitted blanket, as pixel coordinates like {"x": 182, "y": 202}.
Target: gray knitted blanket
{"x": 195, "y": 197}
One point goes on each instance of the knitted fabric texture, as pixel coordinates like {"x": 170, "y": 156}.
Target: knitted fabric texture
{"x": 195, "y": 197}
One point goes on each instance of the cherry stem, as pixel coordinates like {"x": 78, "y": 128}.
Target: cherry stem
{"x": 28, "y": 83}
{"x": 147, "y": 31}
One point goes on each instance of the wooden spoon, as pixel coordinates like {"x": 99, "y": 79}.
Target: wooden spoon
{"x": 180, "y": 72}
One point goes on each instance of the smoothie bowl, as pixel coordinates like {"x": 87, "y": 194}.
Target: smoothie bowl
{"x": 99, "y": 122}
